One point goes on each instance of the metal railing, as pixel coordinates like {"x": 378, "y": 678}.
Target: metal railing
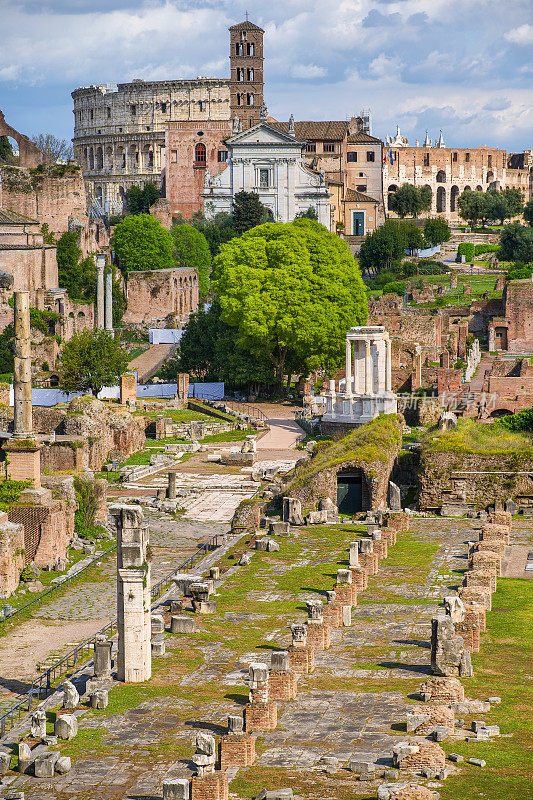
{"x": 249, "y": 409}
{"x": 16, "y": 614}
{"x": 42, "y": 686}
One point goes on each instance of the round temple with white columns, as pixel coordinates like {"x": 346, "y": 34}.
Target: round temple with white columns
{"x": 367, "y": 388}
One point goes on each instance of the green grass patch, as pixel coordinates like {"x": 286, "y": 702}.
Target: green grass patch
{"x": 480, "y": 439}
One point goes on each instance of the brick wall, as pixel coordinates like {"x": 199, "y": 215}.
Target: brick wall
{"x": 161, "y": 294}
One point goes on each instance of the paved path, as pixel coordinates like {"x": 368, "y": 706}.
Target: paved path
{"x": 485, "y": 365}
{"x": 151, "y": 360}
{"x": 284, "y": 433}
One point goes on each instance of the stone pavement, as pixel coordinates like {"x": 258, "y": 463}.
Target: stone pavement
{"x": 151, "y": 360}
{"x": 87, "y": 606}
{"x": 284, "y": 433}
{"x": 350, "y": 706}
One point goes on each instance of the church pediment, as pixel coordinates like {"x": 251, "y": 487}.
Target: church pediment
{"x": 265, "y": 134}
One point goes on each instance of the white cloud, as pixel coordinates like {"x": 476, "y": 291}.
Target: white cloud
{"x": 384, "y": 66}
{"x": 522, "y": 35}
{"x": 307, "y": 71}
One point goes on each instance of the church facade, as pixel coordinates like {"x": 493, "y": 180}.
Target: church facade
{"x": 269, "y": 162}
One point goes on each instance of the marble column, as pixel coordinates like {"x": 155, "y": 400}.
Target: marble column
{"x": 348, "y": 367}
{"x": 388, "y": 366}
{"x": 100, "y": 264}
{"x": 22, "y": 370}
{"x": 368, "y": 367}
{"x": 109, "y": 301}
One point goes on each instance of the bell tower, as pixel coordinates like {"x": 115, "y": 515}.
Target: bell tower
{"x": 246, "y": 79}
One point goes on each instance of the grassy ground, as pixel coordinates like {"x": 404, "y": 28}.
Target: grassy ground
{"x": 485, "y": 440}
{"x": 183, "y": 415}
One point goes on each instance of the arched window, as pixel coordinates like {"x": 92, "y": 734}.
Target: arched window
{"x": 250, "y": 99}
{"x": 490, "y": 177}
{"x": 479, "y": 188}
{"x": 441, "y": 200}
{"x": 441, "y": 176}
{"x": 199, "y": 153}
{"x": 392, "y": 188}
{"x": 250, "y": 49}
{"x": 467, "y": 189}
{"x": 250, "y": 74}
{"x": 453, "y": 198}
{"x": 91, "y": 159}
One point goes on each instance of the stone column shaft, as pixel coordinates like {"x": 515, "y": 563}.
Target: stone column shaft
{"x": 100, "y": 296}
{"x": 368, "y": 367}
{"x": 348, "y": 367}
{"x": 22, "y": 369}
{"x": 109, "y": 301}
{"x": 388, "y": 366}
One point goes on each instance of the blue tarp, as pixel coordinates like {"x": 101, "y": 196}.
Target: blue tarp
{"x": 164, "y": 335}
{"x": 203, "y": 391}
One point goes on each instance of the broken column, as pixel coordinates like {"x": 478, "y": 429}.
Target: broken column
{"x": 261, "y": 713}
{"x": 379, "y": 545}
{"x": 367, "y": 558}
{"x": 38, "y": 724}
{"x": 283, "y": 681}
{"x": 359, "y": 575}
{"x": 237, "y": 748}
{"x": 134, "y": 658}
{"x": 345, "y": 591}
{"x": 448, "y": 654}
{"x": 201, "y": 603}
{"x": 419, "y": 756}
{"x": 102, "y": 657}
{"x": 207, "y": 784}
{"x": 171, "y": 490}
{"x": 292, "y": 511}
{"x": 301, "y": 655}
{"x": 332, "y": 611}
{"x": 318, "y": 632}
{"x": 442, "y": 690}
{"x": 24, "y": 452}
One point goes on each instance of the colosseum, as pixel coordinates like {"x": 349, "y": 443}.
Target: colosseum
{"x": 448, "y": 171}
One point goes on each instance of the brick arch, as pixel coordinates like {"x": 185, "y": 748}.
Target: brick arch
{"x": 30, "y": 155}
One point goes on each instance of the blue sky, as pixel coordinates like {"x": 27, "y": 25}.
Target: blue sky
{"x": 461, "y": 65}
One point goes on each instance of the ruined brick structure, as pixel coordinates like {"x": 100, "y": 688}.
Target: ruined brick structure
{"x": 12, "y": 550}
{"x": 161, "y": 294}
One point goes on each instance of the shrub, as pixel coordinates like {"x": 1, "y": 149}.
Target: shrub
{"x": 394, "y": 287}
{"x": 523, "y": 421}
{"x": 487, "y": 248}
{"x": 10, "y": 492}
{"x": 465, "y": 249}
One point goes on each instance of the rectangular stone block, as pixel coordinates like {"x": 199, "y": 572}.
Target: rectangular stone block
{"x": 182, "y": 624}
{"x": 176, "y": 789}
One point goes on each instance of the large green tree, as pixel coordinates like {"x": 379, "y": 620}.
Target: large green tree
{"x": 516, "y": 243}
{"x": 437, "y": 231}
{"x": 6, "y": 151}
{"x": 472, "y": 206}
{"x": 90, "y": 361}
{"x": 292, "y": 291}
{"x": 217, "y": 230}
{"x": 528, "y": 212}
{"x": 248, "y": 211}
{"x": 141, "y": 243}
{"x": 191, "y": 250}
{"x": 406, "y": 201}
{"x": 138, "y": 201}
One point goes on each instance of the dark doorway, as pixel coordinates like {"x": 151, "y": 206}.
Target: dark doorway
{"x": 349, "y": 493}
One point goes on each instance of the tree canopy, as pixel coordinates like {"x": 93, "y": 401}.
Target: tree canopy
{"x": 191, "y": 250}
{"x": 528, "y": 212}
{"x": 55, "y": 149}
{"x": 138, "y": 201}
{"x": 291, "y": 291}
{"x": 91, "y": 360}
{"x": 409, "y": 200}
{"x": 437, "y": 231}
{"x": 248, "y": 211}
{"x": 141, "y": 243}
{"x": 516, "y": 243}
{"x": 490, "y": 206}
{"x": 385, "y": 246}
{"x": 6, "y": 151}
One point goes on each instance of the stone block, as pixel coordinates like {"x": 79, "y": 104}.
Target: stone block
{"x": 212, "y": 786}
{"x": 158, "y": 646}
{"x": 5, "y": 761}
{"x": 346, "y": 616}
{"x": 317, "y": 518}
{"x": 176, "y": 789}
{"x": 214, "y": 573}
{"x": 275, "y": 794}
{"x": 71, "y": 697}
{"x": 477, "y": 762}
{"x": 237, "y": 750}
{"x": 66, "y": 726}
{"x": 361, "y": 766}
{"x": 182, "y": 624}
{"x": 24, "y": 758}
{"x": 63, "y": 765}
{"x": 102, "y": 659}
{"x": 441, "y": 733}
{"x": 204, "y": 606}
{"x": 157, "y": 624}
{"x": 245, "y": 560}
{"x": 38, "y": 724}
{"x": 44, "y": 765}
{"x": 184, "y": 581}
{"x": 456, "y": 758}
{"x": 99, "y": 699}
{"x": 448, "y": 655}
{"x": 279, "y": 528}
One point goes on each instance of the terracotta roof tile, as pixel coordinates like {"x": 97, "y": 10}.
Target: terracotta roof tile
{"x": 353, "y": 196}
{"x": 325, "y": 129}
{"x": 246, "y": 26}
{"x": 362, "y": 138}
{"x": 13, "y": 218}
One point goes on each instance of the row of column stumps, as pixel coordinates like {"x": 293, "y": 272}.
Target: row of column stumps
{"x": 269, "y": 685}
{"x": 454, "y": 636}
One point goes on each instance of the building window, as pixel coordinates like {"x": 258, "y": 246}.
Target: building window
{"x": 310, "y": 147}
{"x": 239, "y": 49}
{"x": 202, "y": 104}
{"x": 250, "y": 99}
{"x": 426, "y": 159}
{"x": 361, "y": 187}
{"x": 329, "y": 147}
{"x": 467, "y": 157}
{"x": 454, "y": 157}
{"x": 163, "y": 108}
{"x": 199, "y": 154}
{"x": 250, "y": 49}
{"x": 489, "y": 161}
{"x": 263, "y": 179}
{"x": 108, "y": 113}
{"x": 92, "y": 114}
{"x": 352, "y": 155}
{"x": 240, "y": 74}
{"x": 222, "y": 156}
{"x": 174, "y": 156}
{"x": 370, "y": 155}
{"x": 250, "y": 75}
{"x": 133, "y": 110}
{"x": 243, "y": 36}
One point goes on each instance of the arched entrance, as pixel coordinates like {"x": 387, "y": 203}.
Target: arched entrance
{"x": 390, "y": 191}
{"x": 454, "y": 194}
{"x": 441, "y": 200}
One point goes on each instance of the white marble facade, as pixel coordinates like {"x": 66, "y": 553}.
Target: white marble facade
{"x": 268, "y": 161}
{"x": 367, "y": 390}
